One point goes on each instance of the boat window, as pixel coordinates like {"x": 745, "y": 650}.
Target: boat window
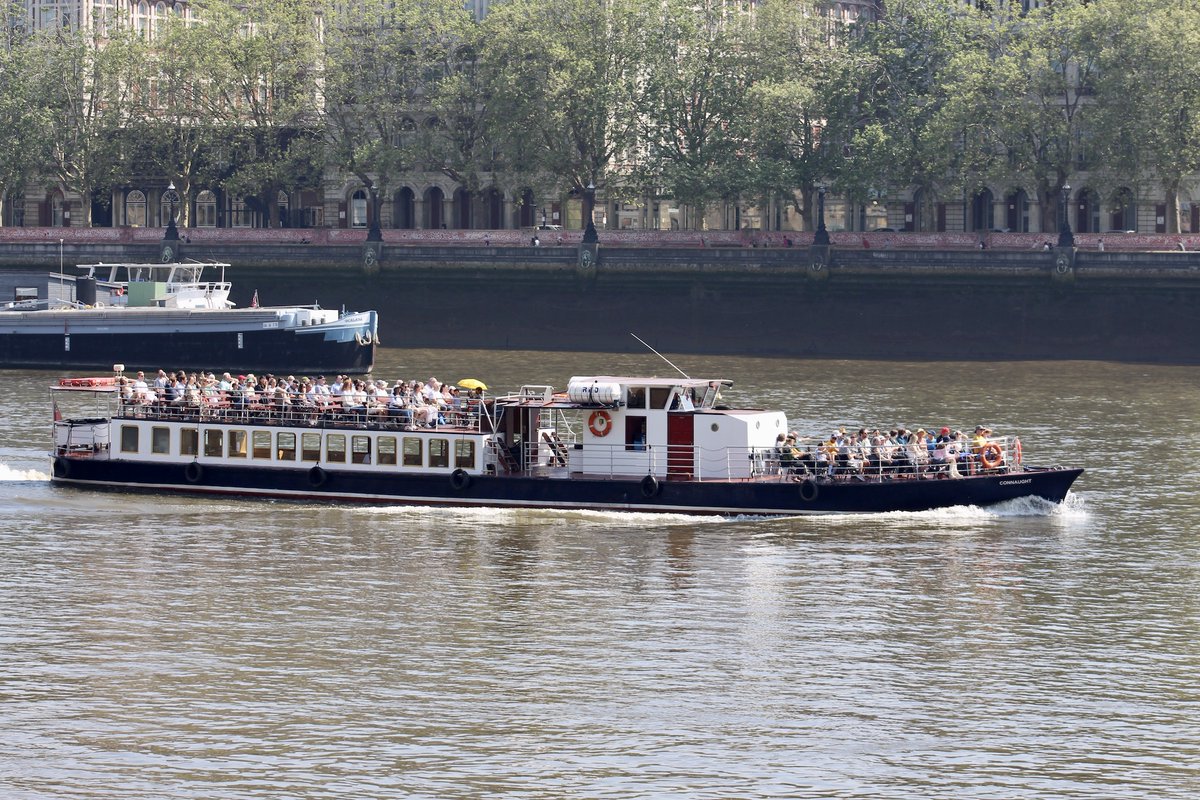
{"x": 464, "y": 454}
{"x": 237, "y": 444}
{"x": 129, "y": 439}
{"x": 637, "y": 397}
{"x": 659, "y": 397}
{"x": 160, "y": 440}
{"x": 335, "y": 448}
{"x": 310, "y": 447}
{"x": 386, "y": 446}
{"x": 439, "y": 452}
{"x": 360, "y": 449}
{"x": 189, "y": 442}
{"x": 262, "y": 444}
{"x": 214, "y": 442}
{"x": 412, "y": 451}
{"x": 635, "y": 433}
{"x": 285, "y": 447}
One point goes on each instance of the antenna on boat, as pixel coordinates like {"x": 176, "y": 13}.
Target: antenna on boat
{"x": 660, "y": 355}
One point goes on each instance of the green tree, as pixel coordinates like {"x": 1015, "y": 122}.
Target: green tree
{"x": 1147, "y": 120}
{"x": 88, "y": 100}
{"x": 780, "y": 122}
{"x": 263, "y": 95}
{"x": 386, "y": 66}
{"x": 1019, "y": 93}
{"x": 691, "y": 104}
{"x": 888, "y": 128}
{"x": 24, "y": 119}
{"x": 564, "y": 79}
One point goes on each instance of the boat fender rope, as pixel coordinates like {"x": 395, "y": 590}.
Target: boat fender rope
{"x": 62, "y": 467}
{"x": 600, "y": 423}
{"x": 991, "y": 456}
{"x": 460, "y": 479}
{"x": 193, "y": 472}
{"x": 317, "y": 477}
{"x": 649, "y": 486}
{"x": 809, "y": 490}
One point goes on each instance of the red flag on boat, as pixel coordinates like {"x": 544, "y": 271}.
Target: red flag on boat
{"x": 254, "y": 300}
{"x": 57, "y": 413}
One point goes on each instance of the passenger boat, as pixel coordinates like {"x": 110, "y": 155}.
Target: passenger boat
{"x": 606, "y": 443}
{"x": 154, "y": 314}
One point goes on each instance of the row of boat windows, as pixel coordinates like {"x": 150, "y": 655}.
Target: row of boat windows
{"x": 332, "y": 448}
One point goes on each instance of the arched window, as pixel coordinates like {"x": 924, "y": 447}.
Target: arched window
{"x": 283, "y": 204}
{"x": 240, "y": 214}
{"x": 358, "y": 209}
{"x": 141, "y": 18}
{"x": 403, "y": 206}
{"x": 135, "y": 209}
{"x": 206, "y": 210}
{"x": 164, "y": 207}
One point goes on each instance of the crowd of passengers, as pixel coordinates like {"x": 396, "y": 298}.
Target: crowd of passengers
{"x": 896, "y": 452}
{"x": 408, "y": 404}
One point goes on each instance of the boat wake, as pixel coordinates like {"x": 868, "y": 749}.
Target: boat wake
{"x": 508, "y": 516}
{"x": 1071, "y": 509}
{"x": 7, "y": 473}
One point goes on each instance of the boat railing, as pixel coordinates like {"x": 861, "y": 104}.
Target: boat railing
{"x": 216, "y": 408}
{"x": 42, "y": 304}
{"x": 996, "y": 454}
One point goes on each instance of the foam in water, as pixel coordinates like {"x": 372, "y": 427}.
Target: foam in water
{"x": 7, "y": 473}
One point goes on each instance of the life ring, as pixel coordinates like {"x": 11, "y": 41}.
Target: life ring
{"x": 460, "y": 479}
{"x": 193, "y": 472}
{"x": 991, "y": 456}
{"x": 649, "y": 486}
{"x": 62, "y": 467}
{"x": 317, "y": 477}
{"x": 600, "y": 423}
{"x": 1017, "y": 451}
{"x": 809, "y": 490}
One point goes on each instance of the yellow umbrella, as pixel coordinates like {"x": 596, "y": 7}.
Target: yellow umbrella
{"x": 471, "y": 383}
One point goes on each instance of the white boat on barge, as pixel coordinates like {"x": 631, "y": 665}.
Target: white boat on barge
{"x": 155, "y": 314}
{"x": 607, "y": 443}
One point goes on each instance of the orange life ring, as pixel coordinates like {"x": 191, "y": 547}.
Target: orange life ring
{"x": 1017, "y": 451}
{"x": 600, "y": 423}
{"x": 991, "y": 456}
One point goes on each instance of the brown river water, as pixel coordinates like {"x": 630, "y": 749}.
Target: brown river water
{"x": 165, "y": 647}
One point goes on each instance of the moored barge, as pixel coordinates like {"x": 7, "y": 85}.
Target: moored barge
{"x": 151, "y": 314}
{"x": 606, "y": 443}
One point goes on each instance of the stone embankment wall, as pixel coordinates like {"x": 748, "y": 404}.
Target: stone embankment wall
{"x": 891, "y": 299}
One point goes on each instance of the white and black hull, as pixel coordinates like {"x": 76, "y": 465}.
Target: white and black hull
{"x": 774, "y": 497}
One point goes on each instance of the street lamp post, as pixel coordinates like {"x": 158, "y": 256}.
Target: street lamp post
{"x": 374, "y": 232}
{"x": 172, "y": 233}
{"x": 1065, "y": 237}
{"x": 589, "y": 231}
{"x": 821, "y": 237}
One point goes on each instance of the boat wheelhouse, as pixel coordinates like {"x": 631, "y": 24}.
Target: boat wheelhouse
{"x": 606, "y": 443}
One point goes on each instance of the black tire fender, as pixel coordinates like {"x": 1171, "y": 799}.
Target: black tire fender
{"x": 317, "y": 477}
{"x": 460, "y": 479}
{"x": 62, "y": 467}
{"x": 650, "y": 486}
{"x": 809, "y": 491}
{"x": 193, "y": 472}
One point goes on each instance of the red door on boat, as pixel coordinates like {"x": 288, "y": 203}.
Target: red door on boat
{"x": 681, "y": 453}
